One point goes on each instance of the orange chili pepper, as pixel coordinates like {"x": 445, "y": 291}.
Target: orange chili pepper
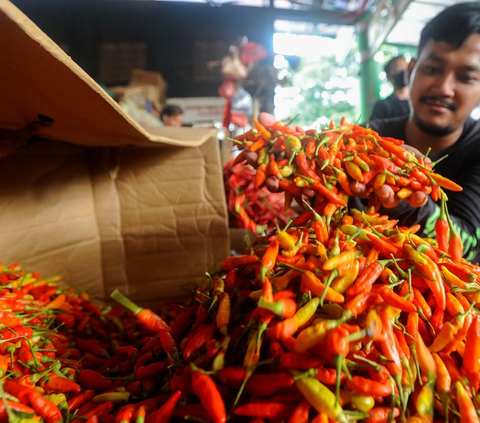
{"x": 445, "y": 183}
{"x": 396, "y": 300}
{"x": 318, "y": 288}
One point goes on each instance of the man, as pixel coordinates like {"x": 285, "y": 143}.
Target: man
{"x": 397, "y": 104}
{"x": 444, "y": 89}
{"x": 172, "y": 115}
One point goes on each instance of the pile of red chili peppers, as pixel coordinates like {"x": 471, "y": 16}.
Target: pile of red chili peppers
{"x": 250, "y": 207}
{"x": 325, "y": 164}
{"x": 337, "y": 317}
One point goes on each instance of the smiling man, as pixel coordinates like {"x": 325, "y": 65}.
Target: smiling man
{"x": 444, "y": 89}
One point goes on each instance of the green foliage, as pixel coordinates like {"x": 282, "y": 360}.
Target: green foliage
{"x": 322, "y": 90}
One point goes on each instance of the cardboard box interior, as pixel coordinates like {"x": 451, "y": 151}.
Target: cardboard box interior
{"x": 96, "y": 198}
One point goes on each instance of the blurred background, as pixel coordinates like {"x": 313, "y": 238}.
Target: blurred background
{"x": 314, "y": 59}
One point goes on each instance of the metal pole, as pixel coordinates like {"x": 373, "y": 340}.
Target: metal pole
{"x": 369, "y": 78}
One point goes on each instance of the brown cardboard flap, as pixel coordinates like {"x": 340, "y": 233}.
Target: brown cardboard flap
{"x": 143, "y": 220}
{"x": 39, "y": 78}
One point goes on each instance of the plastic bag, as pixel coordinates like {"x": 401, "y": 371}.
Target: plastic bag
{"x": 228, "y": 89}
{"x": 242, "y": 102}
{"x": 241, "y": 108}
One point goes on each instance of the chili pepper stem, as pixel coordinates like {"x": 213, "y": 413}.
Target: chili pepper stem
{"x": 328, "y": 282}
{"x": 433, "y": 164}
{"x": 122, "y": 299}
{"x": 413, "y": 350}
{"x": 370, "y": 226}
{"x": 445, "y": 400}
{"x": 339, "y": 359}
{"x": 364, "y": 333}
{"x": 261, "y": 328}
{"x": 291, "y": 267}
{"x": 240, "y": 391}
{"x": 10, "y": 414}
{"x": 211, "y": 305}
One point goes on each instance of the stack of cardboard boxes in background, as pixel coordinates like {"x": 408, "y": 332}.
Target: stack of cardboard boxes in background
{"x": 87, "y": 193}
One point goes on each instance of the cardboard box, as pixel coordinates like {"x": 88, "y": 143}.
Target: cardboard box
{"x": 93, "y": 196}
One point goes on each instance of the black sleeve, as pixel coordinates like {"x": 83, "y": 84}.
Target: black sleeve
{"x": 464, "y": 209}
{"x": 381, "y": 110}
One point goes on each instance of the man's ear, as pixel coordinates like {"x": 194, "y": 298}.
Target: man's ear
{"x": 411, "y": 67}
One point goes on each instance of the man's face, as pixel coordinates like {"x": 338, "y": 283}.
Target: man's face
{"x": 173, "y": 120}
{"x": 445, "y": 85}
{"x": 397, "y": 66}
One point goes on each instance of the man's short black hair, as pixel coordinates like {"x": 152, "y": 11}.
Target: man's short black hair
{"x": 390, "y": 63}
{"x": 453, "y": 25}
{"x": 171, "y": 110}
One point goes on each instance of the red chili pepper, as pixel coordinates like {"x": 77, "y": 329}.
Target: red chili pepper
{"x": 300, "y": 415}
{"x": 441, "y": 228}
{"x": 381, "y": 414}
{"x": 191, "y": 412}
{"x": 261, "y": 175}
{"x": 363, "y": 386}
{"x": 433, "y": 278}
{"x": 139, "y": 416}
{"x": 299, "y": 361}
{"x": 125, "y": 414}
{"x": 334, "y": 198}
{"x": 304, "y": 168}
{"x": 60, "y": 384}
{"x": 471, "y": 357}
{"x": 384, "y": 164}
{"x": 147, "y": 317}
{"x": 232, "y": 376}
{"x": 455, "y": 246}
{"x": 268, "y": 384}
{"x": 151, "y": 370}
{"x": 44, "y": 407}
{"x": 21, "y": 392}
{"x": 101, "y": 410}
{"x": 164, "y": 413}
{"x": 182, "y": 383}
{"x": 234, "y": 262}
{"x": 366, "y": 279}
{"x": 198, "y": 340}
{"x": 206, "y": 389}
{"x": 396, "y": 300}
{"x": 384, "y": 247}
{"x": 80, "y": 400}
{"x": 92, "y": 380}
{"x": 276, "y": 411}
{"x": 388, "y": 345}
{"x": 269, "y": 259}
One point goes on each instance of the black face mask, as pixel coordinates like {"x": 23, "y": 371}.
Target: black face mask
{"x": 400, "y": 79}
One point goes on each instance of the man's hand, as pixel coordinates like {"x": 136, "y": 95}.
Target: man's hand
{"x": 266, "y": 119}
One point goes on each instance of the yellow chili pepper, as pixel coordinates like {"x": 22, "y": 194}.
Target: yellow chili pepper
{"x": 343, "y": 258}
{"x": 321, "y": 398}
{"x": 342, "y": 284}
{"x": 404, "y": 193}
{"x": 354, "y": 171}
{"x": 380, "y": 180}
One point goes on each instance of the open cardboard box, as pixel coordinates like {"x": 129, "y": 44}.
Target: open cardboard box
{"x": 93, "y": 196}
